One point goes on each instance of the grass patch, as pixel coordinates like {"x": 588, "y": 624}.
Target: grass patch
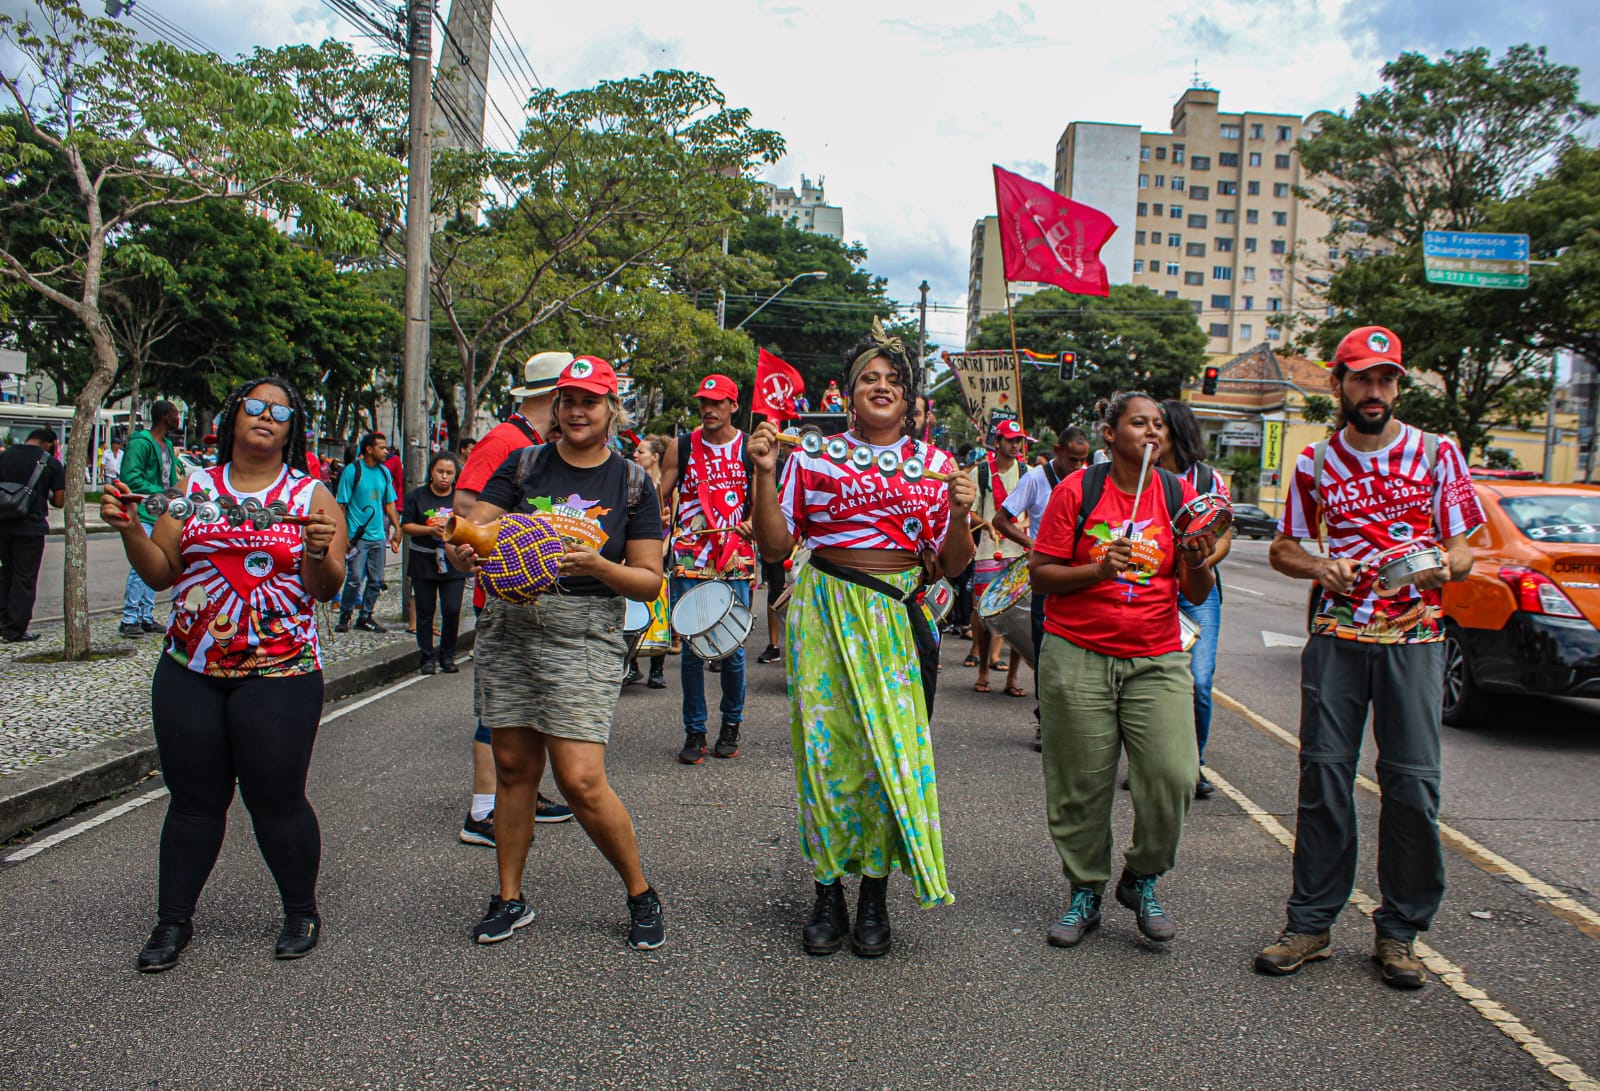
{"x": 95, "y": 655}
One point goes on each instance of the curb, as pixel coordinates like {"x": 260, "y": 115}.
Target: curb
{"x": 55, "y": 788}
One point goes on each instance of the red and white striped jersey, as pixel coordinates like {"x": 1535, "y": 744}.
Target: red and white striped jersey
{"x": 1373, "y": 501}
{"x": 702, "y": 554}
{"x": 828, "y": 504}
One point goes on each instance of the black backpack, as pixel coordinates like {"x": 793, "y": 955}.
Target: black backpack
{"x": 532, "y": 460}
{"x": 16, "y": 501}
{"x": 1094, "y": 484}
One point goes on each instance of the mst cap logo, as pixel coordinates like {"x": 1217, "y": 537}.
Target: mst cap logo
{"x": 581, "y": 369}
{"x": 913, "y": 527}
{"x": 730, "y": 498}
{"x": 1378, "y": 342}
{"x": 1400, "y": 532}
{"x": 258, "y": 563}
{"x": 709, "y": 384}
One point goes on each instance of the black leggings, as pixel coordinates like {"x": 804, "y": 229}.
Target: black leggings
{"x": 258, "y": 731}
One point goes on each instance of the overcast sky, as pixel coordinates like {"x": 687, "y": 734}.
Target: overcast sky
{"x": 903, "y": 106}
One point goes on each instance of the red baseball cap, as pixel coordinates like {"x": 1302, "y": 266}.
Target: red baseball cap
{"x": 1010, "y": 429}
{"x": 1369, "y": 346}
{"x": 718, "y": 388}
{"x": 588, "y": 373}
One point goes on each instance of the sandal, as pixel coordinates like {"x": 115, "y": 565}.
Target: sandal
{"x": 980, "y": 687}
{"x": 1016, "y": 691}
{"x": 970, "y": 661}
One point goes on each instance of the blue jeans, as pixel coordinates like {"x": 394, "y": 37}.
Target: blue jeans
{"x": 138, "y": 597}
{"x": 693, "y": 670}
{"x": 364, "y": 563}
{"x": 1203, "y": 660}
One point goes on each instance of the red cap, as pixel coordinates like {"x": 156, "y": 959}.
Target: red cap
{"x": 588, "y": 373}
{"x": 1369, "y": 346}
{"x": 718, "y": 388}
{"x": 1010, "y": 429}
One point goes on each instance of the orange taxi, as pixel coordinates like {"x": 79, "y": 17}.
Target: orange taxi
{"x": 1528, "y": 618}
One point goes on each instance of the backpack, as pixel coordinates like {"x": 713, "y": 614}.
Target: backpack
{"x": 16, "y": 501}
{"x": 532, "y": 460}
{"x": 1094, "y": 484}
{"x": 1205, "y": 478}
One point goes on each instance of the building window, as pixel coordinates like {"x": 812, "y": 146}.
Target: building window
{"x": 1144, "y": 181}
{"x": 1144, "y": 155}
{"x": 1227, "y": 159}
{"x": 1249, "y": 274}
{"x": 1144, "y": 208}
{"x": 1195, "y": 250}
{"x": 1169, "y": 294}
{"x": 1197, "y": 279}
{"x": 1222, "y": 246}
{"x": 1138, "y": 238}
{"x": 1177, "y": 182}
{"x": 1228, "y": 132}
{"x": 1219, "y": 329}
{"x": 1247, "y": 303}
{"x": 1172, "y": 271}
{"x": 1274, "y": 303}
{"x": 1255, "y": 132}
{"x": 1333, "y": 253}
{"x": 1329, "y": 311}
{"x": 1194, "y": 305}
{"x": 1280, "y": 189}
{"x": 1222, "y": 272}
{"x": 1280, "y": 219}
{"x": 1200, "y": 162}
{"x": 1275, "y": 276}
{"x": 1226, "y": 216}
{"x": 1197, "y": 220}
{"x": 1177, "y": 153}
{"x": 1279, "y": 246}
{"x": 1161, "y": 152}
{"x": 1285, "y": 133}
{"x": 1138, "y": 265}
{"x": 1281, "y": 162}
{"x": 1199, "y": 193}
{"x": 1272, "y": 333}
{"x": 1174, "y": 241}
{"x": 1252, "y": 189}
{"x": 1250, "y": 245}
{"x": 1252, "y": 216}
{"x": 1227, "y": 189}
{"x": 1245, "y": 331}
{"x": 1159, "y": 207}
{"x": 1255, "y": 159}
{"x": 1161, "y": 181}
{"x": 1221, "y": 302}
{"x": 1175, "y": 212}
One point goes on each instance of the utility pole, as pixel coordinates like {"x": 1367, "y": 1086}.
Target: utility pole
{"x": 419, "y": 229}
{"x": 922, "y": 324}
{"x": 1551, "y": 436}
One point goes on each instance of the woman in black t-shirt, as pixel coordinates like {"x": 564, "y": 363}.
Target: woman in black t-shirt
{"x": 435, "y": 582}
{"x": 549, "y": 673}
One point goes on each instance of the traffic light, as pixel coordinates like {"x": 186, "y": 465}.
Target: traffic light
{"x": 1069, "y": 366}
{"x": 1208, "y": 385}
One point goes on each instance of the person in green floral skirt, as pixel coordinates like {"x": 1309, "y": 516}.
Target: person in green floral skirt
{"x": 861, "y": 652}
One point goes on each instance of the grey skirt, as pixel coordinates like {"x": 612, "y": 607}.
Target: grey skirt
{"x": 555, "y": 665}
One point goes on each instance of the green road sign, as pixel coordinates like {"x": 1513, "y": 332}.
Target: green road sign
{"x": 1474, "y": 259}
{"x": 1476, "y": 278}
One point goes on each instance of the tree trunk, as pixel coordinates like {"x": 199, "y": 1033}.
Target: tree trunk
{"x": 74, "y": 589}
{"x": 133, "y": 383}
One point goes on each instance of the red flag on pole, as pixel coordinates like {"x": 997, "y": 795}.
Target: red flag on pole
{"x": 777, "y": 385}
{"x": 1050, "y": 238}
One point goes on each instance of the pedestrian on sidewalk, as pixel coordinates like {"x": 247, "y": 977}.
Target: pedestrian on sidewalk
{"x": 367, "y": 495}
{"x": 648, "y": 454}
{"x": 525, "y": 427}
{"x": 436, "y": 584}
{"x": 1113, "y": 674}
{"x": 707, "y": 472}
{"x": 237, "y": 694}
{"x": 549, "y": 673}
{"x": 111, "y": 462}
{"x": 149, "y": 466}
{"x": 861, "y": 656}
{"x": 32, "y": 480}
{"x": 1377, "y": 483}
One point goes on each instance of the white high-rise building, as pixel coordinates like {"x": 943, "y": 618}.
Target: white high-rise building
{"x": 808, "y": 210}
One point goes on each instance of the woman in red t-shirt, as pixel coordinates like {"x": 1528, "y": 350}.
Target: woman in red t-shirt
{"x": 1112, "y": 672}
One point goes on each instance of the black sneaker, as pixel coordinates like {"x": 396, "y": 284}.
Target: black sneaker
{"x": 727, "y": 742}
{"x": 367, "y": 625}
{"x": 427, "y": 667}
{"x": 448, "y": 666}
{"x": 300, "y": 934}
{"x": 343, "y": 626}
{"x": 646, "y": 931}
{"x": 633, "y": 675}
{"x": 548, "y": 810}
{"x": 167, "y": 941}
{"x": 131, "y": 630}
{"x": 771, "y": 655}
{"x": 149, "y": 626}
{"x": 1203, "y": 788}
{"x": 657, "y": 680}
{"x": 478, "y": 831}
{"x": 694, "y": 748}
{"x": 501, "y": 919}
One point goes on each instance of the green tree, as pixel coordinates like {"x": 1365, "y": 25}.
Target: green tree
{"x": 169, "y": 128}
{"x": 1132, "y": 339}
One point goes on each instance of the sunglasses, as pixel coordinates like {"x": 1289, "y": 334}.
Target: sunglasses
{"x": 256, "y": 406}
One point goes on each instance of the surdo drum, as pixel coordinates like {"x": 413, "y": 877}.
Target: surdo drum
{"x": 636, "y": 619}
{"x": 711, "y": 620}
{"x": 1006, "y": 608}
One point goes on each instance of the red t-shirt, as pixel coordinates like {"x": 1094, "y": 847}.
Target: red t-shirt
{"x": 1136, "y": 615}
{"x": 487, "y": 456}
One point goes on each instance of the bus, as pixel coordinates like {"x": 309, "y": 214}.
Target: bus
{"x": 17, "y": 419}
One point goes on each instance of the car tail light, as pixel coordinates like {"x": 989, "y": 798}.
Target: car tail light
{"x": 1537, "y": 593}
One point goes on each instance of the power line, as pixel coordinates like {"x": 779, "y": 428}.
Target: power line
{"x": 526, "y": 64}
{"x": 464, "y": 59}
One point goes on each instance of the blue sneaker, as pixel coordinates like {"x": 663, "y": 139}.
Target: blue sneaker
{"x": 502, "y": 918}
{"x": 1081, "y": 917}
{"x": 1138, "y": 893}
{"x": 548, "y": 810}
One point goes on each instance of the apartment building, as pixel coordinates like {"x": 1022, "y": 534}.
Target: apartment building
{"x": 808, "y": 210}
{"x": 986, "y": 280}
{"x": 1207, "y": 213}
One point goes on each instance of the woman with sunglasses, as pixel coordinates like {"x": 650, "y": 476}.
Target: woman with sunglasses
{"x": 238, "y": 690}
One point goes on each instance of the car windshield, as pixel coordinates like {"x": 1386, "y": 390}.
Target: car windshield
{"x": 1571, "y": 518}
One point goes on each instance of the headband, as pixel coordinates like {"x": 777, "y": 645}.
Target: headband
{"x": 882, "y": 345}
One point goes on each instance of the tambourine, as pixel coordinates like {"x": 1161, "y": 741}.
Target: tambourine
{"x": 1207, "y": 513}
{"x": 185, "y": 509}
{"x": 1399, "y": 566}
{"x": 838, "y": 451}
{"x": 521, "y": 554}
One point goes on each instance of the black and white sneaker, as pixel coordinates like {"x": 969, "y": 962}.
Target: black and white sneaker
{"x": 501, "y": 919}
{"x": 478, "y": 831}
{"x": 770, "y": 655}
{"x": 646, "y": 931}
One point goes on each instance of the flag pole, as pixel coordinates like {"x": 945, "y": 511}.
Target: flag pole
{"x": 1016, "y": 355}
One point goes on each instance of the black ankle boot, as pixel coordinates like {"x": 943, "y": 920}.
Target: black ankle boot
{"x": 830, "y": 920}
{"x": 871, "y": 937}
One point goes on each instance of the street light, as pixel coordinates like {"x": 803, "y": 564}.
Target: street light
{"x": 818, "y": 273}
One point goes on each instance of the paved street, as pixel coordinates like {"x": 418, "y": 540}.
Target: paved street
{"x": 971, "y": 996}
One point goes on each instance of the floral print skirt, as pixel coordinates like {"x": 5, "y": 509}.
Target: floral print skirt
{"x": 863, "y": 758}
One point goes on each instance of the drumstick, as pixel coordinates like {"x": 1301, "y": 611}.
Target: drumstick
{"x": 1139, "y": 491}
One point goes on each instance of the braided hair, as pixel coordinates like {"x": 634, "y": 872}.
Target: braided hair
{"x": 294, "y": 451}
{"x": 907, "y": 375}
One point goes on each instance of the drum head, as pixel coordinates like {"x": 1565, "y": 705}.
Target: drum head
{"x": 702, "y": 607}
{"x": 636, "y": 616}
{"x": 1009, "y": 586}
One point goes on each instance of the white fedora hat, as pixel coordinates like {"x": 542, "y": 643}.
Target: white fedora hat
{"x": 540, "y": 372}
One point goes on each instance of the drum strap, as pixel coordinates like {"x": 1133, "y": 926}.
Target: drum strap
{"x": 921, "y": 630}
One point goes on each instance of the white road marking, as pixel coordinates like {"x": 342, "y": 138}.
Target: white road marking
{"x": 1282, "y": 640}
{"x": 1247, "y": 590}
{"x": 1454, "y": 977}
{"x": 134, "y": 804}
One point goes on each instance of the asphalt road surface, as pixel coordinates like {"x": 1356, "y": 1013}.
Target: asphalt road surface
{"x": 971, "y": 996}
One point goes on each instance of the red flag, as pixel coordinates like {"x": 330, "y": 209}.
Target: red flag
{"x": 777, "y": 385}
{"x": 1047, "y": 237}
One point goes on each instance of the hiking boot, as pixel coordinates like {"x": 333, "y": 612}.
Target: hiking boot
{"x": 727, "y": 741}
{"x": 478, "y": 831}
{"x": 824, "y": 933}
{"x": 770, "y": 654}
{"x": 1138, "y": 893}
{"x": 646, "y": 931}
{"x": 694, "y": 748}
{"x": 1203, "y": 788}
{"x": 1398, "y": 960}
{"x": 367, "y": 625}
{"x": 548, "y": 810}
{"x": 130, "y": 630}
{"x": 1081, "y": 918}
{"x": 300, "y": 934}
{"x": 871, "y": 936}
{"x": 1292, "y": 950}
{"x": 502, "y": 918}
{"x": 167, "y": 941}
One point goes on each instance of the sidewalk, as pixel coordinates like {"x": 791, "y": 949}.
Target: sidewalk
{"x": 92, "y": 523}
{"x": 71, "y": 733}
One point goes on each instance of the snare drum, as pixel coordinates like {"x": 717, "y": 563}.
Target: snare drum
{"x": 636, "y": 619}
{"x": 711, "y": 620}
{"x": 657, "y": 636}
{"x": 1006, "y": 608}
{"x": 1399, "y": 566}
